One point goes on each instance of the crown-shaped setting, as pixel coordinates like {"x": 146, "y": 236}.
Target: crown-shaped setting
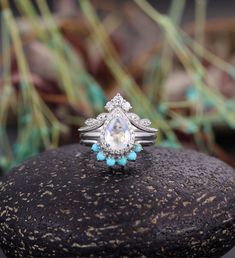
{"x": 118, "y": 101}
{"x": 117, "y": 136}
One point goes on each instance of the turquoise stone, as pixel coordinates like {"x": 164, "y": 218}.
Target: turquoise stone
{"x": 110, "y": 162}
{"x": 100, "y": 156}
{"x": 138, "y": 148}
{"x": 132, "y": 156}
{"x": 95, "y": 147}
{"x": 122, "y": 161}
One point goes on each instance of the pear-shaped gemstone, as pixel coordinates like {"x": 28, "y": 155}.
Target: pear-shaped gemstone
{"x": 117, "y": 133}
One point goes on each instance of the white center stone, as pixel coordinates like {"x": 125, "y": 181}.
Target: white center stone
{"x": 117, "y": 133}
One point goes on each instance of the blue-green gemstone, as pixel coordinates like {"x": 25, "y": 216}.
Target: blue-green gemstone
{"x": 95, "y": 147}
{"x": 122, "y": 161}
{"x": 110, "y": 162}
{"x": 100, "y": 156}
{"x": 138, "y": 148}
{"x": 132, "y": 156}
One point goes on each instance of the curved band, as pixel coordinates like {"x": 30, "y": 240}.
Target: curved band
{"x": 142, "y": 137}
{"x": 117, "y": 135}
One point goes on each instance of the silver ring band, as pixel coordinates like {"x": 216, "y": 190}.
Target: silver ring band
{"x": 142, "y": 137}
{"x": 118, "y": 135}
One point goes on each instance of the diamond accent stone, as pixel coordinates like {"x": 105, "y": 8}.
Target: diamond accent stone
{"x": 145, "y": 122}
{"x": 101, "y": 116}
{"x": 90, "y": 121}
{"x": 118, "y": 101}
{"x": 126, "y": 105}
{"x": 133, "y": 116}
{"x": 109, "y": 106}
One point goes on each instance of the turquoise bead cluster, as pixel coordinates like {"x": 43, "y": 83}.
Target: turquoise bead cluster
{"x": 100, "y": 156}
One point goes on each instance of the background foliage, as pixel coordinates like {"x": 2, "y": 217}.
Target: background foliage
{"x": 45, "y": 110}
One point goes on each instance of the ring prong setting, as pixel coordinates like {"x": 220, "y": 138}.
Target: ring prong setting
{"x": 117, "y": 136}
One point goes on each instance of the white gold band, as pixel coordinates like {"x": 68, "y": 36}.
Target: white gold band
{"x": 118, "y": 134}
{"x": 142, "y": 137}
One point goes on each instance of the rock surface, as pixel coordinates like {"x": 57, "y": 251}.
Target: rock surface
{"x": 169, "y": 203}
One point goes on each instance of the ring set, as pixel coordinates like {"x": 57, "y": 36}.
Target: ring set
{"x": 119, "y": 135}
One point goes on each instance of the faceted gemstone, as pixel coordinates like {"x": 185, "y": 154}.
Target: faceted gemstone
{"x": 131, "y": 156}
{"x": 138, "y": 148}
{"x": 110, "y": 162}
{"x": 95, "y": 147}
{"x": 122, "y": 161}
{"x": 117, "y": 134}
{"x": 100, "y": 156}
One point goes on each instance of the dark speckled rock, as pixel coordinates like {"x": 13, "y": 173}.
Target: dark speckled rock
{"x": 169, "y": 203}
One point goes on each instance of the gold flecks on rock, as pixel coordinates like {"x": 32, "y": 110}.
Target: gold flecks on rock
{"x": 183, "y": 200}
{"x": 65, "y": 211}
{"x": 83, "y": 245}
{"x": 40, "y": 205}
{"x": 209, "y": 200}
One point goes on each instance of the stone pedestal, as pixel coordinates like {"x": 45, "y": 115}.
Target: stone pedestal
{"x": 169, "y": 203}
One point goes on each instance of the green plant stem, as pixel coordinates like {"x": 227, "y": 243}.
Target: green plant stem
{"x": 8, "y": 94}
{"x": 155, "y": 87}
{"x": 30, "y": 97}
{"x": 189, "y": 61}
{"x": 127, "y": 84}
{"x": 200, "y": 18}
{"x": 76, "y": 82}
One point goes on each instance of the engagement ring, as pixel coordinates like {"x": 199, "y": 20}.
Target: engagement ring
{"x": 117, "y": 136}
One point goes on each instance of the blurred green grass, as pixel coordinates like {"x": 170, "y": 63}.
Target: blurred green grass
{"x": 39, "y": 127}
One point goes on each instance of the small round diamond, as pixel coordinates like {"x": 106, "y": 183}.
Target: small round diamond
{"x": 90, "y": 121}
{"x": 133, "y": 116}
{"x": 101, "y": 117}
{"x": 126, "y": 106}
{"x": 109, "y": 106}
{"x": 145, "y": 122}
